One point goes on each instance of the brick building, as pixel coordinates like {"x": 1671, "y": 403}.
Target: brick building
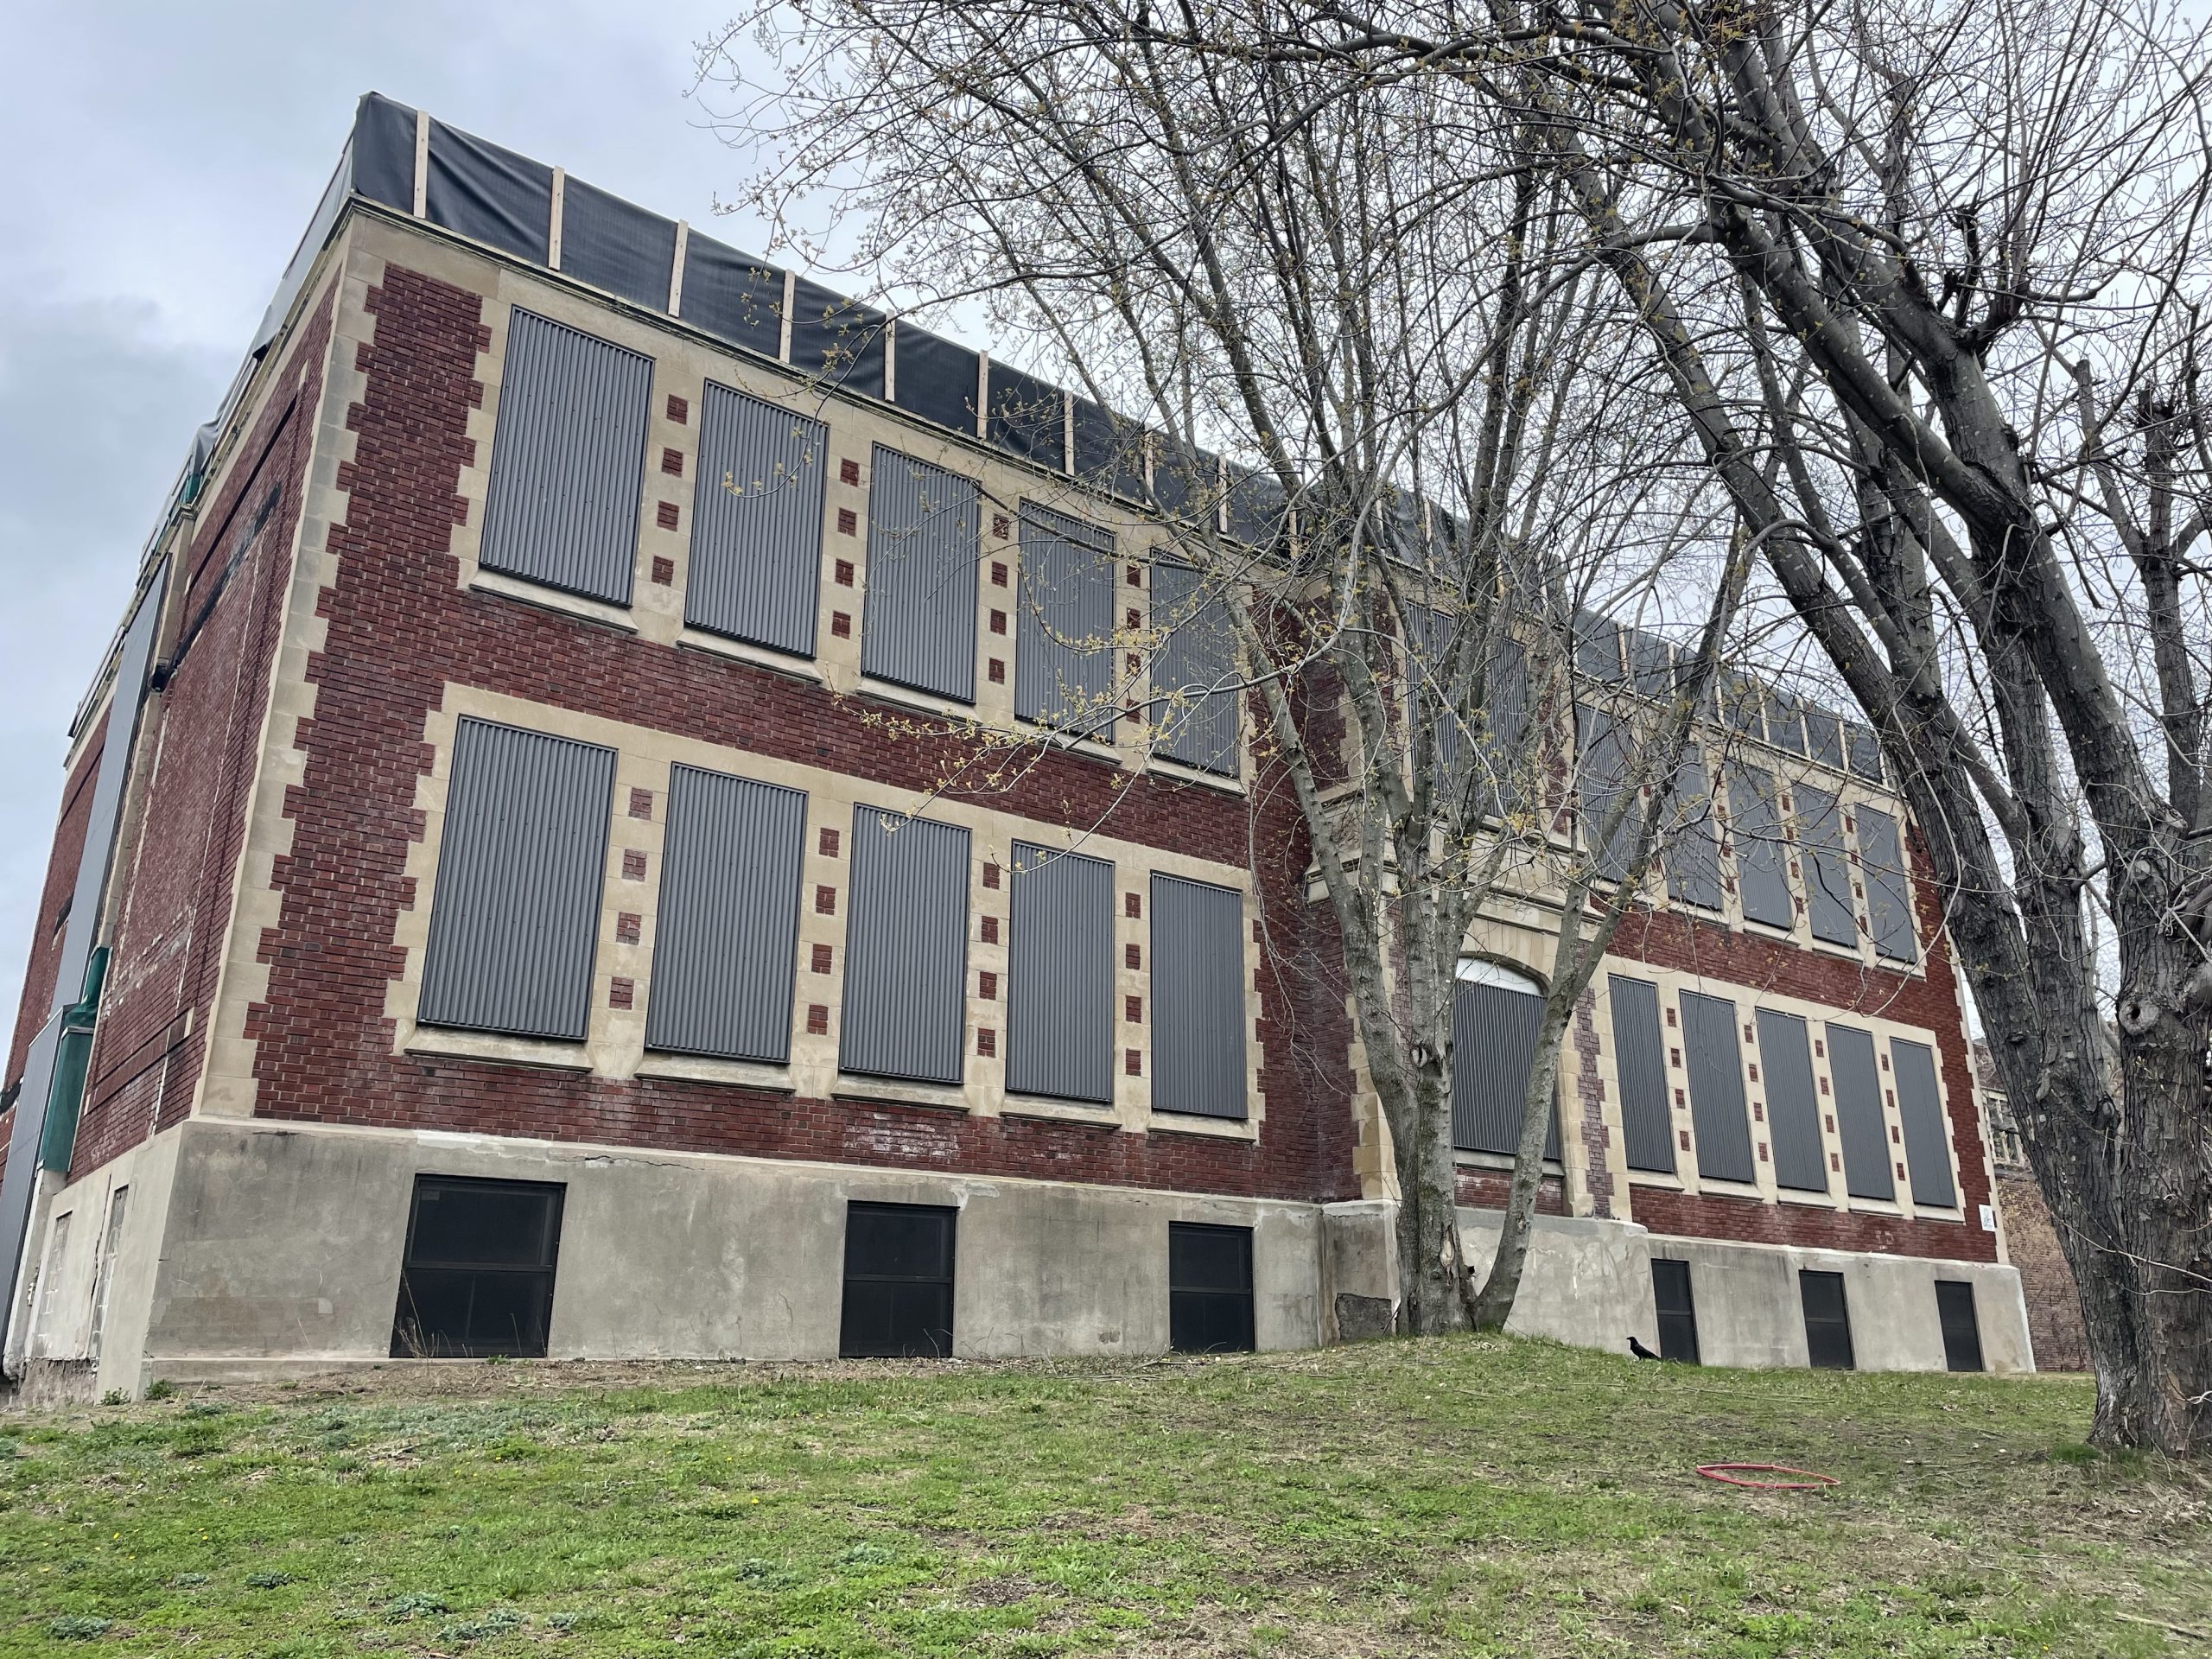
{"x": 515, "y": 894}
{"x": 2047, "y": 1287}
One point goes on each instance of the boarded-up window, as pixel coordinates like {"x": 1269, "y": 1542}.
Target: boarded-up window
{"x": 1209, "y": 1288}
{"x": 514, "y": 915}
{"x": 567, "y": 461}
{"x": 1195, "y": 718}
{"x": 1060, "y": 975}
{"x": 1859, "y": 1113}
{"x": 1064, "y": 655}
{"x": 905, "y": 949}
{"x": 1197, "y": 998}
{"x": 1793, "y": 1105}
{"x": 1920, "y": 1115}
{"x": 1676, "y": 1306}
{"x": 1716, "y": 1078}
{"x": 1961, "y": 1328}
{"x": 727, "y": 928}
{"x": 1762, "y": 854}
{"x": 898, "y": 1267}
{"x": 923, "y": 537}
{"x": 1889, "y": 890}
{"x": 1496, "y": 1018}
{"x": 1828, "y": 872}
{"x": 1640, "y": 1061}
{"x": 1693, "y": 846}
{"x": 1603, "y": 773}
{"x": 1828, "y": 1321}
{"x": 477, "y": 1276}
{"x": 756, "y": 530}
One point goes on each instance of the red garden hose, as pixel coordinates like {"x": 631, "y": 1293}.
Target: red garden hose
{"x": 1731, "y": 1474}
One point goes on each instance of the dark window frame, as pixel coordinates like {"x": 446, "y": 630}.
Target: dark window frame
{"x": 407, "y": 1345}
{"x": 1965, "y": 1357}
{"x": 1822, "y": 1353}
{"x": 1193, "y": 1309}
{"x": 1678, "y": 1338}
{"x": 847, "y": 1346}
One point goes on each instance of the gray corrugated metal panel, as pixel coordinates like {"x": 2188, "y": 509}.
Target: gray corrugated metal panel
{"x": 1828, "y": 871}
{"x": 756, "y": 527}
{"x": 1859, "y": 1113}
{"x": 1059, "y": 975}
{"x": 1640, "y": 1061}
{"x": 1762, "y": 854}
{"x": 726, "y": 930}
{"x": 840, "y": 340}
{"x": 568, "y": 459}
{"x": 610, "y": 243}
{"x": 487, "y": 193}
{"x": 1716, "y": 1080}
{"x": 924, "y": 535}
{"x": 1919, "y": 1114}
{"x": 1506, "y": 716}
{"x": 1692, "y": 857}
{"x": 1865, "y": 750}
{"x": 514, "y": 917}
{"x": 1199, "y": 726}
{"x": 1597, "y": 647}
{"x": 1824, "y": 737}
{"x": 1785, "y": 720}
{"x": 1889, "y": 891}
{"x": 1494, "y": 1031}
{"x": 1793, "y": 1104}
{"x": 1432, "y": 636}
{"x": 905, "y": 1008}
{"x": 1197, "y": 998}
{"x": 936, "y": 379}
{"x": 1028, "y": 417}
{"x": 1603, "y": 769}
{"x": 1063, "y": 647}
{"x": 383, "y": 151}
{"x": 732, "y": 294}
{"x": 19, "y": 1181}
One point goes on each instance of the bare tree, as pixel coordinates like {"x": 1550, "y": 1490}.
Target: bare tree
{"x": 1379, "y": 304}
{"x": 1926, "y": 280}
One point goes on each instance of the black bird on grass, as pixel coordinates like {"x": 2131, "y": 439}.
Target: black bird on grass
{"x": 1639, "y": 1349}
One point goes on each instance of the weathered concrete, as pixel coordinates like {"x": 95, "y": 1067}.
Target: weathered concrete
{"x": 1588, "y": 1282}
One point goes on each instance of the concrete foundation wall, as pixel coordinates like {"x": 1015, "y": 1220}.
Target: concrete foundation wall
{"x": 1588, "y": 1282}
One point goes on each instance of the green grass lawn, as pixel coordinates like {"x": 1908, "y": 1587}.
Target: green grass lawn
{"x": 1459, "y": 1497}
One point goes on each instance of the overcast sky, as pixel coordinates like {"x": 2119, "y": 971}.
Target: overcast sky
{"x": 166, "y": 159}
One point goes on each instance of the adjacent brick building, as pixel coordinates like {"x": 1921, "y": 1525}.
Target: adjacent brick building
{"x": 527, "y": 859}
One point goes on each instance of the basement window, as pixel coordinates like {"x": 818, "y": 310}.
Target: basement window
{"x": 1961, "y": 1326}
{"x": 898, "y": 1260}
{"x": 477, "y": 1280}
{"x": 1676, "y": 1308}
{"x": 1209, "y": 1288}
{"x": 1828, "y": 1321}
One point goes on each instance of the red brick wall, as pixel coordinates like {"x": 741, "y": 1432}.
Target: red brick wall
{"x": 54, "y": 899}
{"x": 2046, "y": 1283}
{"x": 208, "y": 726}
{"x": 400, "y": 626}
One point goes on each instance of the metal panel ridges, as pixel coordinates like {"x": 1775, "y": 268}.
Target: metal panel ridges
{"x": 1762, "y": 857}
{"x": 1640, "y": 1061}
{"x": 1060, "y": 1010}
{"x": 726, "y": 931}
{"x": 1494, "y": 1030}
{"x": 1859, "y": 1113}
{"x": 1889, "y": 894}
{"x": 514, "y": 915}
{"x": 1828, "y": 872}
{"x": 1064, "y": 657}
{"x": 1716, "y": 1078}
{"x": 1197, "y": 998}
{"x": 1198, "y": 726}
{"x": 905, "y": 949}
{"x": 756, "y": 529}
{"x": 1920, "y": 1113}
{"x": 924, "y": 534}
{"x": 567, "y": 461}
{"x": 1793, "y": 1105}
{"x": 1692, "y": 854}
{"x": 1605, "y": 768}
